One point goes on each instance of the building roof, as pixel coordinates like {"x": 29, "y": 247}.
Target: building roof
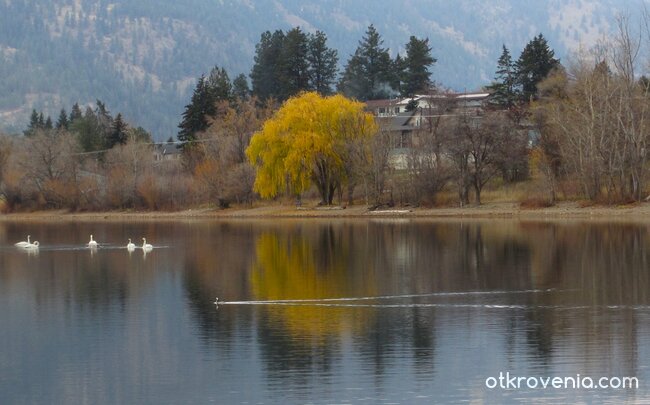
{"x": 474, "y": 96}
{"x": 167, "y": 149}
{"x": 387, "y": 102}
{"x": 398, "y": 122}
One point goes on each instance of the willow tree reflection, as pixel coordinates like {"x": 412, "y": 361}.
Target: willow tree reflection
{"x": 289, "y": 267}
{"x": 582, "y": 264}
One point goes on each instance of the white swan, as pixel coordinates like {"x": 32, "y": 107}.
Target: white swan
{"x": 92, "y": 243}
{"x": 23, "y": 243}
{"x": 130, "y": 246}
{"x": 32, "y": 246}
{"x": 146, "y": 246}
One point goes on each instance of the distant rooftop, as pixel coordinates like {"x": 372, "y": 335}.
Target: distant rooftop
{"x": 389, "y": 102}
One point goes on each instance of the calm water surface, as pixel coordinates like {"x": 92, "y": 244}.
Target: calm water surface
{"x": 361, "y": 312}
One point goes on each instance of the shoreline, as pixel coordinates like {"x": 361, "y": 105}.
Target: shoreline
{"x": 503, "y": 210}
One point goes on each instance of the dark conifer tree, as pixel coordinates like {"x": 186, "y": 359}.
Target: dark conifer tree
{"x": 33, "y": 124}
{"x": 368, "y": 73}
{"x": 33, "y": 120}
{"x": 504, "y": 94}
{"x": 219, "y": 84}
{"x": 353, "y": 82}
{"x": 118, "y": 134}
{"x": 48, "y": 123}
{"x": 417, "y": 77}
{"x": 293, "y": 65}
{"x": 196, "y": 112}
{"x": 88, "y": 131}
{"x": 75, "y": 114}
{"x": 89, "y": 113}
{"x": 266, "y": 71}
{"x": 240, "y": 87}
{"x": 62, "y": 122}
{"x": 104, "y": 123}
{"x": 537, "y": 60}
{"x": 323, "y": 62}
{"x": 399, "y": 67}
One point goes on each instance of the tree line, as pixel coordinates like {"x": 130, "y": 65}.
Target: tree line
{"x": 288, "y": 63}
{"x": 594, "y": 123}
{"x": 579, "y": 130}
{"x": 95, "y": 129}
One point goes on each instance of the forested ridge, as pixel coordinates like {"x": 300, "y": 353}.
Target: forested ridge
{"x": 143, "y": 58}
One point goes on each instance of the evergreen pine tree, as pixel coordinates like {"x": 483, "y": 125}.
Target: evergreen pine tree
{"x": 89, "y": 114}
{"x": 240, "y": 87}
{"x": 323, "y": 63}
{"x": 368, "y": 73}
{"x": 417, "y": 76}
{"x": 33, "y": 120}
{"x": 536, "y": 61}
{"x": 219, "y": 85}
{"x": 75, "y": 114}
{"x": 48, "y": 123}
{"x": 62, "y": 122}
{"x": 293, "y": 64}
{"x": 353, "y": 82}
{"x": 118, "y": 134}
{"x": 104, "y": 123}
{"x": 41, "y": 120}
{"x": 88, "y": 132}
{"x": 399, "y": 68}
{"x": 196, "y": 112}
{"x": 504, "y": 94}
{"x": 33, "y": 124}
{"x": 265, "y": 74}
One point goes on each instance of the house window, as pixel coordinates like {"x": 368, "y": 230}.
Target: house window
{"x": 404, "y": 140}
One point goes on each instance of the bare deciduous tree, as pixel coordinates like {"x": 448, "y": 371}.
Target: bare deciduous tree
{"x": 601, "y": 124}
{"x": 47, "y": 166}
{"x": 126, "y": 167}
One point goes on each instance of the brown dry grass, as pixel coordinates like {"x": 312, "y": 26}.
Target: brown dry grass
{"x": 637, "y": 213}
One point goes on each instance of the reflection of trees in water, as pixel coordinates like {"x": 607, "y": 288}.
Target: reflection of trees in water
{"x": 97, "y": 286}
{"x": 293, "y": 359}
{"x": 287, "y": 266}
{"x": 451, "y": 256}
{"x": 216, "y": 258}
{"x": 349, "y": 261}
{"x": 601, "y": 264}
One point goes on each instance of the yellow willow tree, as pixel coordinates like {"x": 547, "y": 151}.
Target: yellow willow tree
{"x": 311, "y": 140}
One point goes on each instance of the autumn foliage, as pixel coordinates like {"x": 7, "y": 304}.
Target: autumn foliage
{"x": 307, "y": 141}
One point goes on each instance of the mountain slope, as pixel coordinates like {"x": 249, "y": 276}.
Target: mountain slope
{"x": 142, "y": 58}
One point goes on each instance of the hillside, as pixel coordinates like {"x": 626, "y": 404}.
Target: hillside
{"x": 142, "y": 58}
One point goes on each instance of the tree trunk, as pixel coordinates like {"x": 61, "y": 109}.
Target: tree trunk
{"x": 463, "y": 194}
{"x": 351, "y": 187}
{"x": 477, "y": 191}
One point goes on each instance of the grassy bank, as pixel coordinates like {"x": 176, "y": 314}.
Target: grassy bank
{"x": 635, "y": 212}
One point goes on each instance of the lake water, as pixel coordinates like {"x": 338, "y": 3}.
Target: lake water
{"x": 384, "y": 311}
